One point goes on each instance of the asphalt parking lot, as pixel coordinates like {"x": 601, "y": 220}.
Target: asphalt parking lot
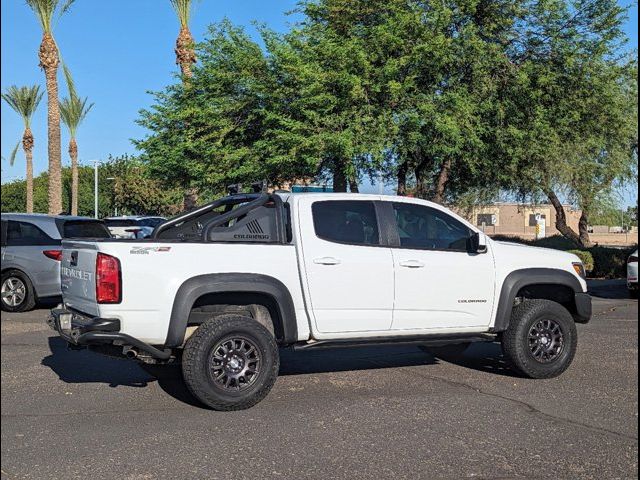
{"x": 392, "y": 412}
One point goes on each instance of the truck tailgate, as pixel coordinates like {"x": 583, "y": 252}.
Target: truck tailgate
{"x": 77, "y": 275}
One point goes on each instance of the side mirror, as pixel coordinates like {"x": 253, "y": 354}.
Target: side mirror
{"x": 478, "y": 243}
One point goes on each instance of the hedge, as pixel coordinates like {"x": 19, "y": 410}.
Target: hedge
{"x": 605, "y": 262}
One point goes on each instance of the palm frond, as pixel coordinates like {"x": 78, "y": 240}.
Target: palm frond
{"x": 73, "y": 111}
{"x": 183, "y": 10}
{"x": 44, "y": 10}
{"x": 24, "y": 100}
{"x": 14, "y": 152}
{"x": 71, "y": 86}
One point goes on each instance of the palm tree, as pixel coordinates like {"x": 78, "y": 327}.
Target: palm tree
{"x": 73, "y": 111}
{"x": 185, "y": 51}
{"x": 25, "y": 100}
{"x": 49, "y": 61}
{"x": 185, "y": 57}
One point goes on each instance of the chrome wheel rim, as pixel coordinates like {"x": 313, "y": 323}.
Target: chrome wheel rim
{"x": 234, "y": 363}
{"x": 546, "y": 341}
{"x": 14, "y": 292}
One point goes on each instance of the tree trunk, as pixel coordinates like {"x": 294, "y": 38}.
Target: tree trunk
{"x": 73, "y": 153}
{"x": 402, "y": 179}
{"x": 27, "y": 145}
{"x": 185, "y": 52}
{"x": 49, "y": 61}
{"x": 581, "y": 240}
{"x": 339, "y": 177}
{"x": 421, "y": 166}
{"x": 353, "y": 185}
{"x": 583, "y": 230}
{"x": 441, "y": 182}
{"x": 190, "y": 199}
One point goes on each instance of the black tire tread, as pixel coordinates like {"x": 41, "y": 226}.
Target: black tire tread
{"x": 200, "y": 342}
{"x": 517, "y": 353}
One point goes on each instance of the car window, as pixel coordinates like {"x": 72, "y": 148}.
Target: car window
{"x": 4, "y": 233}
{"x": 428, "y": 228}
{"x": 150, "y": 222}
{"x": 84, "y": 229}
{"x": 22, "y": 234}
{"x": 346, "y": 221}
{"x": 121, "y": 222}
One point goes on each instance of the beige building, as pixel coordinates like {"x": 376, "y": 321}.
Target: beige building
{"x": 519, "y": 219}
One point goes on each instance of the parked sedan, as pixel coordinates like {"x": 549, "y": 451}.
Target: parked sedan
{"x": 31, "y": 252}
{"x": 632, "y": 274}
{"x": 132, "y": 226}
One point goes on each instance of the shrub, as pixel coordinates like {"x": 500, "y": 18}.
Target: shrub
{"x": 586, "y": 258}
{"x": 610, "y": 262}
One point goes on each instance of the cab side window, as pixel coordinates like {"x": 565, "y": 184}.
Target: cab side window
{"x": 346, "y": 221}
{"x": 426, "y": 228}
{"x": 22, "y": 234}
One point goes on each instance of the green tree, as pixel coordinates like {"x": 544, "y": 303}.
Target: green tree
{"x": 231, "y": 123}
{"x": 73, "y": 110}
{"x": 570, "y": 115}
{"x": 25, "y": 101}
{"x": 45, "y": 10}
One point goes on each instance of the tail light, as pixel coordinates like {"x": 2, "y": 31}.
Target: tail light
{"x": 108, "y": 279}
{"x": 53, "y": 254}
{"x": 633, "y": 259}
{"x": 135, "y": 231}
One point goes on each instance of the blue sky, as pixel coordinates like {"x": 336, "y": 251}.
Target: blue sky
{"x": 118, "y": 50}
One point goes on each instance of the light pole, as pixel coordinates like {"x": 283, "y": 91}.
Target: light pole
{"x": 95, "y": 187}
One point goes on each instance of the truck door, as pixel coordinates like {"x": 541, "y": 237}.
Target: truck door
{"x": 349, "y": 274}
{"x": 438, "y": 283}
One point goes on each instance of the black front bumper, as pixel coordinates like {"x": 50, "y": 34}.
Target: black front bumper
{"x": 83, "y": 330}
{"x": 584, "y": 309}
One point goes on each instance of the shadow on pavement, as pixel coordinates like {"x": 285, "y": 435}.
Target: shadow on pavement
{"x": 85, "y": 366}
{"x": 609, "y": 289}
{"x": 484, "y": 357}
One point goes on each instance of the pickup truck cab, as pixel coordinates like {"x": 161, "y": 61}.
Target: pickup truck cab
{"x": 223, "y": 287}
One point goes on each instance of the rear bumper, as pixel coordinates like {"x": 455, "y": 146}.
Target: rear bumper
{"x": 584, "y": 310}
{"x": 81, "y": 330}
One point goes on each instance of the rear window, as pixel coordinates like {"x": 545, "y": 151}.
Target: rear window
{"x": 151, "y": 222}
{"x": 122, "y": 223}
{"x": 349, "y": 221}
{"x": 84, "y": 229}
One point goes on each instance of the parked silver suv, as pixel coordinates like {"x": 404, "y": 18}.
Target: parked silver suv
{"x": 31, "y": 255}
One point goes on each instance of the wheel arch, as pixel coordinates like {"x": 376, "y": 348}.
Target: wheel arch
{"x": 258, "y": 289}
{"x": 540, "y": 283}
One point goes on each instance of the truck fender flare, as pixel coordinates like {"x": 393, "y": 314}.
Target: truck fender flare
{"x": 518, "y": 279}
{"x": 195, "y": 287}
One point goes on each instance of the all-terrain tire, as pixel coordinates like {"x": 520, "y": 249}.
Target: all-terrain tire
{"x": 27, "y": 293}
{"x": 223, "y": 348}
{"x": 541, "y": 339}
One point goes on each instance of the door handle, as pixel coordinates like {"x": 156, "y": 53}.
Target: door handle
{"x": 412, "y": 264}
{"x": 327, "y": 261}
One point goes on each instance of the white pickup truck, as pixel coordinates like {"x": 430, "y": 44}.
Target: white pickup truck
{"x": 223, "y": 287}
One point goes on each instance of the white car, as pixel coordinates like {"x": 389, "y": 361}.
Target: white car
{"x": 222, "y": 287}
{"x": 632, "y": 274}
{"x": 132, "y": 226}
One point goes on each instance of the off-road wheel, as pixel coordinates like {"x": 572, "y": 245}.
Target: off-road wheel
{"x": 541, "y": 339}
{"x": 230, "y": 362}
{"x": 18, "y": 294}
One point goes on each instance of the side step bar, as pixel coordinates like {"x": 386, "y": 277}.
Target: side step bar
{"x": 431, "y": 341}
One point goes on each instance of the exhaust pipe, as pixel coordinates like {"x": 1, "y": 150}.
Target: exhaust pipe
{"x": 131, "y": 353}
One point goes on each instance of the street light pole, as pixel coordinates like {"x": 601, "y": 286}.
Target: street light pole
{"x": 95, "y": 188}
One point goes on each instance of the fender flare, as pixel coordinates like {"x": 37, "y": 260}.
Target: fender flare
{"x": 518, "y": 279}
{"x": 195, "y": 287}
